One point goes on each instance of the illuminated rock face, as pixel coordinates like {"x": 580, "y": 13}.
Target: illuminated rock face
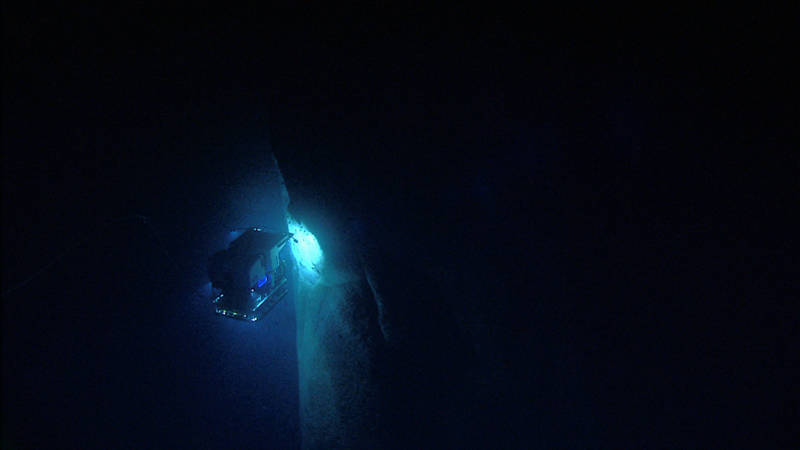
{"x": 306, "y": 251}
{"x": 338, "y": 343}
{"x": 376, "y": 351}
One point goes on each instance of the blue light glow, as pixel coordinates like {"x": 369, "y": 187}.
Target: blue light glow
{"x": 306, "y": 250}
{"x": 233, "y": 235}
{"x": 262, "y": 282}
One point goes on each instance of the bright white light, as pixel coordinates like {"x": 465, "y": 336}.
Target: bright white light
{"x": 306, "y": 250}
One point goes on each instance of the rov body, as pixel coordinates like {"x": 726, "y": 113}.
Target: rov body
{"x": 249, "y": 277}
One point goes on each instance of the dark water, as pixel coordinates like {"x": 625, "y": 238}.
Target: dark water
{"x": 115, "y": 345}
{"x": 614, "y": 205}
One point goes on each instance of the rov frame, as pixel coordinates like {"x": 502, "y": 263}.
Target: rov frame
{"x": 249, "y": 278}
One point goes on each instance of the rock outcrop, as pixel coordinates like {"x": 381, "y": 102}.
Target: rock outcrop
{"x": 380, "y": 359}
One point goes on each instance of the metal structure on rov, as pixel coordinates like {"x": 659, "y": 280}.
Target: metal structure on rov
{"x": 249, "y": 277}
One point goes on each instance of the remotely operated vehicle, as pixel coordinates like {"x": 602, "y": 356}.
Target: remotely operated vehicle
{"x": 249, "y": 277}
